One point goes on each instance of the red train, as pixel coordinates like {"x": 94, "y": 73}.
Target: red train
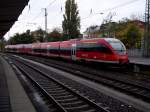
{"x": 108, "y": 50}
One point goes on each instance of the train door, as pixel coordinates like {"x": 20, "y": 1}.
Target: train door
{"x": 73, "y": 51}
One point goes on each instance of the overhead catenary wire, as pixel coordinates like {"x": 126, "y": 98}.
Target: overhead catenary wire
{"x": 51, "y": 3}
{"x": 110, "y": 9}
{"x": 38, "y": 14}
{"x": 29, "y": 6}
{"x": 91, "y": 13}
{"x": 118, "y": 6}
{"x": 41, "y": 10}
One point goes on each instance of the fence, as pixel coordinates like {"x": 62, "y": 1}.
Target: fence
{"x": 137, "y": 53}
{"x": 134, "y": 52}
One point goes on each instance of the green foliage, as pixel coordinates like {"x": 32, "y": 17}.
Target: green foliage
{"x": 129, "y": 33}
{"x": 133, "y": 35}
{"x": 55, "y": 35}
{"x": 39, "y": 35}
{"x": 24, "y": 38}
{"x": 71, "y": 22}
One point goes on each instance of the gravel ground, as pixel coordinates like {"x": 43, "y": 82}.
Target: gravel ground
{"x": 97, "y": 68}
{"x": 108, "y": 102}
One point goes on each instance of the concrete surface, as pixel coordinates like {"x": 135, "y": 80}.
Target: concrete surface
{"x": 140, "y": 61}
{"x": 18, "y": 97}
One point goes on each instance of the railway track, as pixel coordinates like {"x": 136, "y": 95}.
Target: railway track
{"x": 129, "y": 69}
{"x": 63, "y": 97}
{"x": 130, "y": 87}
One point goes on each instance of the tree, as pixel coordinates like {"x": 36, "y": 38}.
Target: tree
{"x": 55, "y": 35}
{"x": 130, "y": 32}
{"x": 71, "y": 22}
{"x": 38, "y": 35}
{"x": 24, "y": 38}
{"x": 133, "y": 35}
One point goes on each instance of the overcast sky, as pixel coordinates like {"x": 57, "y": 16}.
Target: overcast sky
{"x": 32, "y": 16}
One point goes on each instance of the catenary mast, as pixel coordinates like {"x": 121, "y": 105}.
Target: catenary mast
{"x": 146, "y": 41}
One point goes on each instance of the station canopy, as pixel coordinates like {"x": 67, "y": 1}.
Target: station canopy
{"x": 9, "y": 13}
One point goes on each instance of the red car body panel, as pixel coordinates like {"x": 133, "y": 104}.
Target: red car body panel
{"x": 65, "y": 49}
{"x": 52, "y": 49}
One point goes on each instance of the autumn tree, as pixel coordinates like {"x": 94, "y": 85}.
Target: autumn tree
{"x": 130, "y": 33}
{"x": 133, "y": 35}
{"x": 71, "y": 22}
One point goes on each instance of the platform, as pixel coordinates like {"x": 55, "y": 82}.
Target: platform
{"x": 4, "y": 92}
{"x": 18, "y": 100}
{"x": 140, "y": 61}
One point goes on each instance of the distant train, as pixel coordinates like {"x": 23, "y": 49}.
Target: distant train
{"x": 107, "y": 50}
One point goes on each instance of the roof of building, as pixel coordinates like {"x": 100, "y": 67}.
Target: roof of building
{"x": 9, "y": 13}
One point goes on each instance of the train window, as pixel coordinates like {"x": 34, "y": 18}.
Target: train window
{"x": 94, "y": 48}
{"x": 105, "y": 49}
{"x": 53, "y": 50}
{"x": 118, "y": 46}
{"x": 65, "y": 51}
{"x": 14, "y": 49}
{"x": 39, "y": 50}
{"x": 43, "y": 50}
{"x": 36, "y": 50}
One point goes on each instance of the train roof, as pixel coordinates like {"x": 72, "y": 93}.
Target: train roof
{"x": 107, "y": 39}
{"x": 111, "y": 39}
{"x": 69, "y": 41}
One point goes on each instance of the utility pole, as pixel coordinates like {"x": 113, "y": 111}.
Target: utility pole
{"x": 45, "y": 35}
{"x": 146, "y": 41}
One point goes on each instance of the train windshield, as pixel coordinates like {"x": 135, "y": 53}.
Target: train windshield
{"x": 118, "y": 46}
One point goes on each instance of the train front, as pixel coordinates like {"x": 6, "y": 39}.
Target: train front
{"x": 119, "y": 50}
